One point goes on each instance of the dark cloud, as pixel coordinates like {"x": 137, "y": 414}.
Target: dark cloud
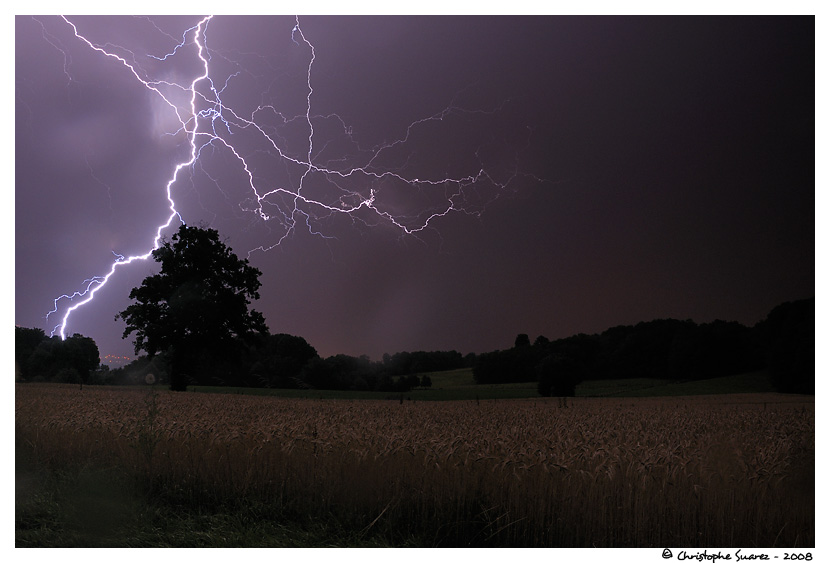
{"x": 677, "y": 154}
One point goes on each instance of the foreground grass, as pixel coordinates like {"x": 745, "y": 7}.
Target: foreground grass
{"x": 105, "y": 467}
{"x": 84, "y": 505}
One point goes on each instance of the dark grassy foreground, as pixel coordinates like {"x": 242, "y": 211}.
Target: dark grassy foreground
{"x": 89, "y": 506}
{"x": 136, "y": 468}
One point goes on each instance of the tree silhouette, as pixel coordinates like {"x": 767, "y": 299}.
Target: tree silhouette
{"x": 522, "y": 341}
{"x": 81, "y": 354}
{"x": 558, "y": 376}
{"x": 277, "y": 360}
{"x": 40, "y": 357}
{"x": 196, "y": 308}
{"x": 789, "y": 333}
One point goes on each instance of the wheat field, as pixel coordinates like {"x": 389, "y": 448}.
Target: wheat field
{"x": 729, "y": 470}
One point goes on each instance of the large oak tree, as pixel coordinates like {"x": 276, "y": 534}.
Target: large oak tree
{"x": 196, "y": 309}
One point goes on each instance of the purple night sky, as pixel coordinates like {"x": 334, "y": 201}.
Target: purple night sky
{"x": 633, "y": 168}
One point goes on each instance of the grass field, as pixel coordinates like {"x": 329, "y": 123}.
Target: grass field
{"x": 459, "y": 385}
{"x": 142, "y": 467}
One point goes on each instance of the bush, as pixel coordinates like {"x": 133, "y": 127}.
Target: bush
{"x": 558, "y": 377}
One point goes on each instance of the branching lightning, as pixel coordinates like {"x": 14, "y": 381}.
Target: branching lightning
{"x": 358, "y": 185}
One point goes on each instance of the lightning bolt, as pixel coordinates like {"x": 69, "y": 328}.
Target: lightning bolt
{"x": 364, "y": 191}
{"x": 93, "y": 285}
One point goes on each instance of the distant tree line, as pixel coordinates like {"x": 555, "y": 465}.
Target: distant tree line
{"x": 783, "y": 343}
{"x": 400, "y": 372}
{"x": 38, "y": 357}
{"x": 193, "y": 321}
{"x": 283, "y": 361}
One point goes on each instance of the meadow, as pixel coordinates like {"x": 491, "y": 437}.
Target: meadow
{"x": 145, "y": 467}
{"x": 459, "y": 384}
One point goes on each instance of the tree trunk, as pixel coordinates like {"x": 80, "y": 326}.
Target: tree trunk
{"x": 178, "y": 367}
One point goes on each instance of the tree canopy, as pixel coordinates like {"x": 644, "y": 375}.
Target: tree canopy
{"x": 196, "y": 308}
{"x": 42, "y": 358}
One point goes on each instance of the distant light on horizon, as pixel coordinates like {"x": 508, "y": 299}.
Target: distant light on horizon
{"x": 112, "y": 359}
